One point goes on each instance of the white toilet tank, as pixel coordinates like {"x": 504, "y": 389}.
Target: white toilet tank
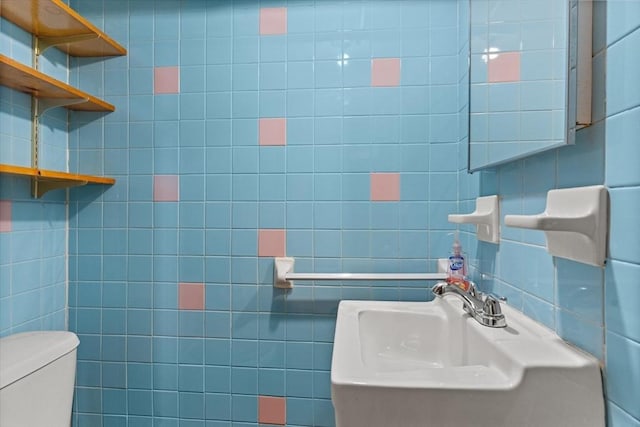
{"x": 37, "y": 373}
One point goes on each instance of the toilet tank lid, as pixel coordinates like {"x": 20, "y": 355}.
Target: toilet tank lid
{"x": 23, "y": 353}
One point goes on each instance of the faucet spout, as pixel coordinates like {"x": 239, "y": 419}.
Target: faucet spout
{"x": 486, "y": 311}
{"x": 470, "y": 298}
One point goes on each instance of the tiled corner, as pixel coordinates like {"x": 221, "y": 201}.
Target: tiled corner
{"x": 621, "y": 156}
{"x": 623, "y": 63}
{"x": 272, "y": 410}
{"x": 623, "y": 373}
{"x": 616, "y": 416}
{"x": 625, "y": 202}
{"x": 622, "y": 295}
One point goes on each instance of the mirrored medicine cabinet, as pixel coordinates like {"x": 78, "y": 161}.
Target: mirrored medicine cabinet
{"x": 529, "y": 77}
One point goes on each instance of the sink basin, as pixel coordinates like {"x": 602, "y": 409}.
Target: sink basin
{"x": 430, "y": 364}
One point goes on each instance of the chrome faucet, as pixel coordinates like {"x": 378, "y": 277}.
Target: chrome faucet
{"x": 486, "y": 311}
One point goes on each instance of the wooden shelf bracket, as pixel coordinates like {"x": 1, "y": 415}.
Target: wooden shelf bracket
{"x": 45, "y": 104}
{"x": 39, "y": 188}
{"x": 38, "y": 107}
{"x": 43, "y": 43}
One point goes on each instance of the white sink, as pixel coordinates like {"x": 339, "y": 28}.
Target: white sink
{"x": 403, "y": 364}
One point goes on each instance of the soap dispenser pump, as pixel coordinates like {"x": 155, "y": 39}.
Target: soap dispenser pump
{"x": 457, "y": 270}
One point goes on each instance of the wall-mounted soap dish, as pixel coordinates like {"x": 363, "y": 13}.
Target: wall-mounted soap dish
{"x": 486, "y": 217}
{"x": 575, "y": 223}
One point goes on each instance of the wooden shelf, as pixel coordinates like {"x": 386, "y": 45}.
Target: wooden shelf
{"x": 46, "y": 180}
{"x": 25, "y": 79}
{"x": 55, "y": 23}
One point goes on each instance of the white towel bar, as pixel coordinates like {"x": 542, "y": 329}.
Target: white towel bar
{"x": 284, "y": 277}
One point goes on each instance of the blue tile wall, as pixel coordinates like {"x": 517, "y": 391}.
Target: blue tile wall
{"x": 33, "y": 282}
{"x": 621, "y": 282}
{"x": 587, "y": 306}
{"x": 146, "y": 358}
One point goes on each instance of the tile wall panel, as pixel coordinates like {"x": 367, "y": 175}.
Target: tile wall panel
{"x": 33, "y": 234}
{"x": 622, "y": 280}
{"x": 228, "y": 348}
{"x": 587, "y": 306}
{"x": 325, "y": 131}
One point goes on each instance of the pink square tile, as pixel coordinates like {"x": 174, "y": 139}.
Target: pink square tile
{"x": 166, "y": 80}
{"x": 385, "y": 187}
{"x": 166, "y": 188}
{"x": 272, "y": 410}
{"x": 5, "y": 216}
{"x": 385, "y": 72}
{"x": 273, "y": 20}
{"x": 273, "y": 131}
{"x": 504, "y": 67}
{"x": 191, "y": 296}
{"x": 272, "y": 242}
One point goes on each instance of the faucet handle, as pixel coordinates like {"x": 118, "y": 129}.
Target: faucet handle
{"x": 491, "y": 306}
{"x": 473, "y": 289}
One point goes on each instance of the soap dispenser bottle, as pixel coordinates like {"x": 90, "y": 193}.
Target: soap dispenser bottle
{"x": 457, "y": 271}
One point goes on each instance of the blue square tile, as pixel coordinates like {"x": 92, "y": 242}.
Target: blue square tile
{"x": 328, "y": 74}
{"x": 165, "y": 403}
{"x": 245, "y": 77}
{"x": 273, "y": 75}
{"x": 217, "y": 351}
{"x": 623, "y": 373}
{"x": 244, "y": 408}
{"x": 273, "y": 48}
{"x": 299, "y": 383}
{"x": 165, "y": 323}
{"x": 191, "y": 405}
{"x": 273, "y": 103}
{"x": 621, "y": 317}
{"x": 245, "y": 104}
{"x": 624, "y": 203}
{"x": 139, "y": 375}
{"x": 246, "y": 49}
{"x": 323, "y": 413}
{"x": 219, "y": 50}
{"x": 617, "y": 416}
{"x": 586, "y": 335}
{"x": 244, "y": 353}
{"x": 620, "y": 155}
{"x": 244, "y": 380}
{"x": 191, "y": 324}
{"x": 271, "y": 382}
{"x": 191, "y": 378}
{"x": 217, "y": 325}
{"x": 300, "y": 47}
{"x": 300, "y": 411}
{"x": 623, "y": 92}
{"x": 165, "y": 349}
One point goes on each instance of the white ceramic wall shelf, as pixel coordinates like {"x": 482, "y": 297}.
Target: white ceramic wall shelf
{"x": 486, "y": 217}
{"x": 575, "y": 223}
